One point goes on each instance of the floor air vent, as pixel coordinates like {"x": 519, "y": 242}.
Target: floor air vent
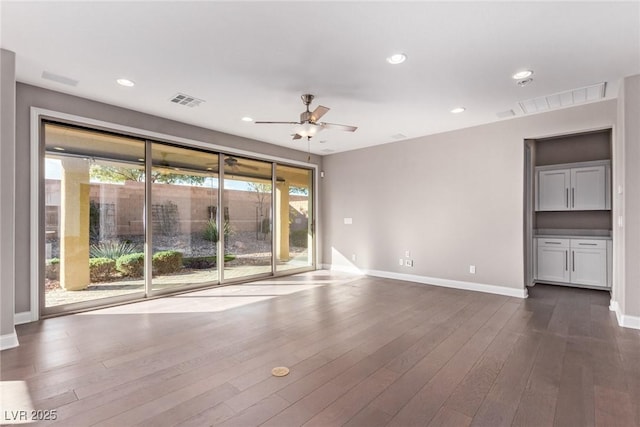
{"x": 188, "y": 100}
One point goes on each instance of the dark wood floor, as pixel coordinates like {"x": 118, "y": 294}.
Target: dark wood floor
{"x": 365, "y": 352}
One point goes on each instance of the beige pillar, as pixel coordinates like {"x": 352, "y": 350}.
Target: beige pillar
{"x": 74, "y": 224}
{"x": 282, "y": 221}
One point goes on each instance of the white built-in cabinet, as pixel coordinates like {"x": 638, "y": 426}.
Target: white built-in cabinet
{"x": 573, "y": 186}
{"x": 577, "y": 261}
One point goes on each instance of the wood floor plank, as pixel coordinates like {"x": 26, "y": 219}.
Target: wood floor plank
{"x": 362, "y": 352}
{"x": 422, "y": 407}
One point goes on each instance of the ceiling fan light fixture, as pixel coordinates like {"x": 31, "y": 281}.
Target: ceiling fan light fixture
{"x": 522, "y": 74}
{"x": 308, "y": 129}
{"x": 396, "y": 58}
{"x": 125, "y": 82}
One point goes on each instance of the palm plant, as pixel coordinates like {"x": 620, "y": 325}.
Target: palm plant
{"x": 112, "y": 249}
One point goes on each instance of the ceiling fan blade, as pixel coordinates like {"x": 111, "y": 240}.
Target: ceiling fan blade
{"x": 335, "y": 126}
{"x": 277, "y": 123}
{"x": 296, "y": 136}
{"x": 318, "y": 113}
{"x": 250, "y": 167}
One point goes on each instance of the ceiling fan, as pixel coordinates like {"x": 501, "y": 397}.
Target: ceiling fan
{"x": 308, "y": 125}
{"x": 233, "y": 163}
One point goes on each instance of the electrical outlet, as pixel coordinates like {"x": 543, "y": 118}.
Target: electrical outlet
{"x": 408, "y": 263}
{"x": 407, "y": 254}
{"x": 472, "y": 269}
{"x": 401, "y": 262}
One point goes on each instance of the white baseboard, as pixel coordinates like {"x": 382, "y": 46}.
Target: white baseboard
{"x": 447, "y": 283}
{"x": 21, "y": 318}
{"x": 626, "y": 321}
{"x": 8, "y": 341}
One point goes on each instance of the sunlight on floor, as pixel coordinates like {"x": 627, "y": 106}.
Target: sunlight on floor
{"x": 228, "y": 297}
{"x": 15, "y": 404}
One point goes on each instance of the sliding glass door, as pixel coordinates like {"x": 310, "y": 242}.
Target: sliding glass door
{"x": 184, "y": 206}
{"x": 94, "y": 194}
{"x": 294, "y": 212}
{"x": 247, "y": 218}
{"x": 124, "y": 218}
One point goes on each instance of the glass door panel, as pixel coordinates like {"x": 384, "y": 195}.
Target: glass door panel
{"x": 247, "y": 217}
{"x": 184, "y": 208}
{"x": 294, "y": 218}
{"x": 94, "y": 194}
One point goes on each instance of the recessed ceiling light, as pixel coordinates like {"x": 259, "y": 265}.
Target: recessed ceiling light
{"x": 522, "y": 74}
{"x": 247, "y": 119}
{"x": 209, "y": 169}
{"x": 141, "y": 160}
{"x": 458, "y": 110}
{"x": 58, "y": 148}
{"x": 397, "y": 58}
{"x": 126, "y": 82}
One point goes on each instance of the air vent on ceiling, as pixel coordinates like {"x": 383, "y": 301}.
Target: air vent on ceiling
{"x": 327, "y": 150}
{"x": 59, "y": 79}
{"x": 564, "y": 99}
{"x": 188, "y": 100}
{"x": 505, "y": 114}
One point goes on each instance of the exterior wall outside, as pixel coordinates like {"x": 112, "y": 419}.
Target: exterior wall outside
{"x": 452, "y": 200}
{"x": 28, "y": 96}
{"x": 192, "y": 203}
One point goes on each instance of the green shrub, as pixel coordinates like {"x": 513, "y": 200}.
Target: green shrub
{"x": 211, "y": 231}
{"x": 204, "y": 262}
{"x": 101, "y": 269}
{"x": 52, "y": 269}
{"x": 131, "y": 265}
{"x": 199, "y": 262}
{"x": 112, "y": 249}
{"x": 299, "y": 238}
{"x": 166, "y": 262}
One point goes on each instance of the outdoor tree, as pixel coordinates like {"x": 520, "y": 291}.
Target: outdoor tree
{"x": 116, "y": 175}
{"x": 262, "y": 192}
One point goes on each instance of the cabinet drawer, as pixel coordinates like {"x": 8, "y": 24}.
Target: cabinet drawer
{"x": 588, "y": 244}
{"x": 553, "y": 243}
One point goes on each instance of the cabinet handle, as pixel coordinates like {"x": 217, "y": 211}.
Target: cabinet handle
{"x": 573, "y": 198}
{"x": 567, "y": 196}
{"x": 573, "y": 260}
{"x": 553, "y": 243}
{"x": 566, "y": 261}
{"x": 588, "y": 244}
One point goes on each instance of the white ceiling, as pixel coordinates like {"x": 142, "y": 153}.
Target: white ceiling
{"x": 256, "y": 59}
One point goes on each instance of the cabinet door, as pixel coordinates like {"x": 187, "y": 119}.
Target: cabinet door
{"x": 589, "y": 266}
{"x": 553, "y": 264}
{"x": 588, "y": 191}
{"x": 553, "y": 190}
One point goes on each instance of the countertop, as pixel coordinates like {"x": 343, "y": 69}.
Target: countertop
{"x": 572, "y": 234}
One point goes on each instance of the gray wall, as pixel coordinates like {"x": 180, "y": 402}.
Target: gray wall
{"x": 631, "y": 111}
{"x": 453, "y": 199}
{"x": 7, "y": 186}
{"x": 31, "y": 96}
{"x": 576, "y": 148}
